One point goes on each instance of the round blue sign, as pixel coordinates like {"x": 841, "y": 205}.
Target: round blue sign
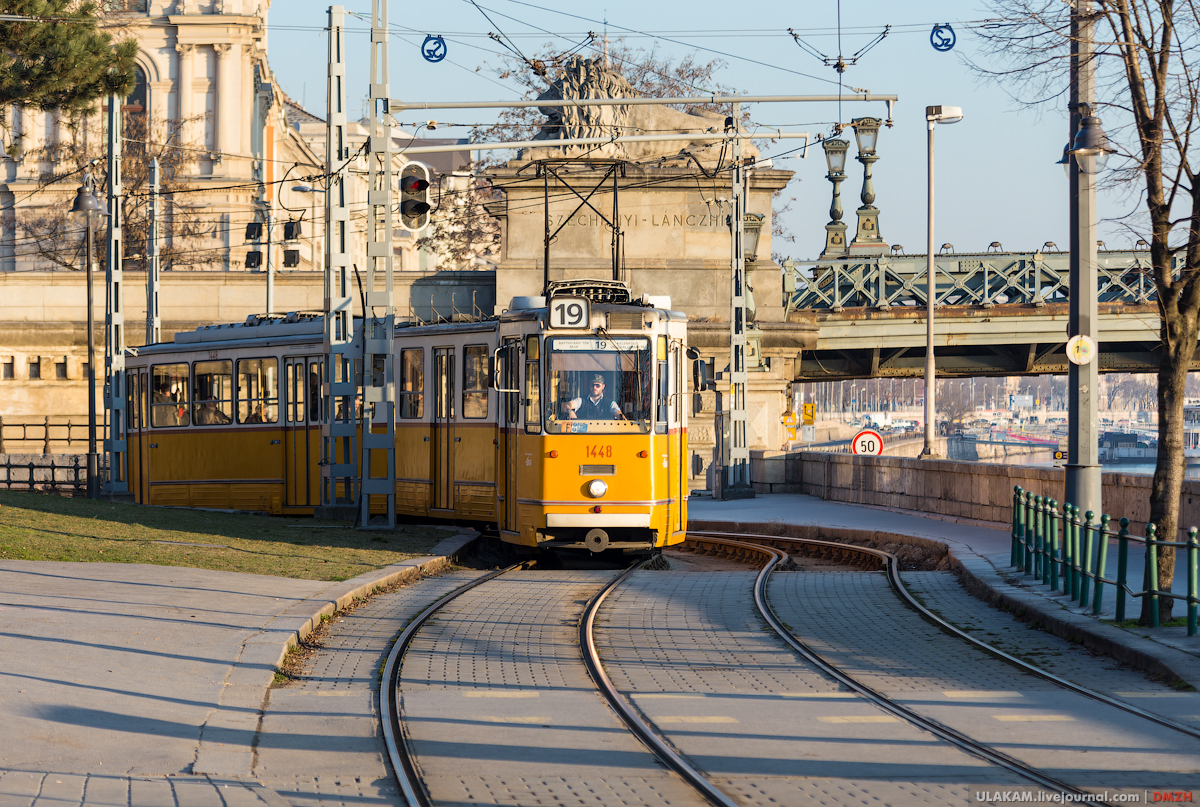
{"x": 942, "y": 37}
{"x": 433, "y": 48}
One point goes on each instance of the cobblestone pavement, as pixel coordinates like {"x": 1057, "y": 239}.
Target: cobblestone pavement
{"x": 856, "y": 622}
{"x": 320, "y": 741}
{"x": 767, "y": 728}
{"x": 499, "y": 707}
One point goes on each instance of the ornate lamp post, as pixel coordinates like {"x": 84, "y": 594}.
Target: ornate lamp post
{"x": 867, "y": 238}
{"x": 84, "y": 210}
{"x": 835, "y": 230}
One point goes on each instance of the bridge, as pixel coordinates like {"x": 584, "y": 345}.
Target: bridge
{"x": 997, "y": 314}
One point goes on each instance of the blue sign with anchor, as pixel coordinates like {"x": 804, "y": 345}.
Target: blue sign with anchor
{"x": 433, "y": 48}
{"x": 942, "y": 37}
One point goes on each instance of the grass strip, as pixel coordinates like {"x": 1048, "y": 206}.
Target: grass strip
{"x": 39, "y": 527}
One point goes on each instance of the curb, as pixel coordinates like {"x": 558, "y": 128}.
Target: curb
{"x": 228, "y": 735}
{"x": 984, "y": 581}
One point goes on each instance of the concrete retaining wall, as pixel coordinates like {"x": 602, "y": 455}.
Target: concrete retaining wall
{"x": 965, "y": 490}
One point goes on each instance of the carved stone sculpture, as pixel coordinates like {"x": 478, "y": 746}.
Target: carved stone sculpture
{"x": 582, "y": 79}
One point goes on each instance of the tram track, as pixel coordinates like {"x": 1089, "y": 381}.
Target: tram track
{"x": 772, "y": 551}
{"x": 772, "y": 548}
{"x": 403, "y": 759}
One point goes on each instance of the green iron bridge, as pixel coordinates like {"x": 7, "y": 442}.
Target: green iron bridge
{"x": 998, "y": 313}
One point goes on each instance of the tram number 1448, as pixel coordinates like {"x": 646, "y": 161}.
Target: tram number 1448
{"x": 600, "y": 452}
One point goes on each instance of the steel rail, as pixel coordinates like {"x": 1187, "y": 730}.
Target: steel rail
{"x": 892, "y": 567}
{"x": 633, "y": 721}
{"x": 403, "y": 764}
{"x": 973, "y": 747}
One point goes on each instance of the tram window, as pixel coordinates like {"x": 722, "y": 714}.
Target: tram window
{"x": 475, "y": 381}
{"x": 316, "y": 401}
{"x": 533, "y": 398}
{"x": 258, "y": 391}
{"x": 598, "y": 385}
{"x": 170, "y": 407}
{"x": 130, "y": 401}
{"x": 212, "y": 398}
{"x": 660, "y": 415}
{"x": 412, "y": 383}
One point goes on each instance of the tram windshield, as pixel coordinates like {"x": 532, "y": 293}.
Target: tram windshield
{"x": 598, "y": 385}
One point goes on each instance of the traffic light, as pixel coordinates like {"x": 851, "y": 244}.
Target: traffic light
{"x": 414, "y": 196}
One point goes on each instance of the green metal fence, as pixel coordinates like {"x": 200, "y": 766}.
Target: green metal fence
{"x": 1071, "y": 554}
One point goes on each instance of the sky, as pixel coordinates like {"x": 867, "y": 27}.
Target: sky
{"x": 996, "y": 172}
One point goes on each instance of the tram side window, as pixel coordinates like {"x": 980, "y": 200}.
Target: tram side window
{"x": 212, "y": 398}
{"x": 258, "y": 390}
{"x": 533, "y": 397}
{"x": 660, "y": 416}
{"x": 412, "y": 383}
{"x": 475, "y": 381}
{"x": 170, "y": 405}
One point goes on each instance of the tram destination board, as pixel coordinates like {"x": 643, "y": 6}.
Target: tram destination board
{"x": 867, "y": 441}
{"x": 569, "y": 312}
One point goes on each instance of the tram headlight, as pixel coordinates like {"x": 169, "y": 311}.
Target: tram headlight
{"x": 597, "y": 488}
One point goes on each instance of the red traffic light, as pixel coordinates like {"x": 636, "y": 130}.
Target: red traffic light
{"x": 413, "y": 184}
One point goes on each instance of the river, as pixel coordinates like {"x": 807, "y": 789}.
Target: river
{"x": 1045, "y": 459}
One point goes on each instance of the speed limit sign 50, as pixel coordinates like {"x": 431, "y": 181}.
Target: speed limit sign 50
{"x": 867, "y": 441}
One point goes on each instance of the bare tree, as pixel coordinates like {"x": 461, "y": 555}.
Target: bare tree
{"x": 1149, "y": 79}
{"x": 462, "y": 229}
{"x": 48, "y": 235}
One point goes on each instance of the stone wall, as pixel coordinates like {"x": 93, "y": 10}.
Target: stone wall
{"x": 953, "y": 489}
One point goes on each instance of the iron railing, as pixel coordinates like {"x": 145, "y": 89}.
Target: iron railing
{"x": 982, "y": 279}
{"x": 54, "y": 474}
{"x": 50, "y": 435}
{"x": 1062, "y": 549}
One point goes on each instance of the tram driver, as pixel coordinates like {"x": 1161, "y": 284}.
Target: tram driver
{"x": 594, "y": 407}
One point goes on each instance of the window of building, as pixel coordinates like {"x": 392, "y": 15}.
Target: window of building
{"x": 9, "y": 369}
{"x": 169, "y": 386}
{"x": 475, "y": 381}
{"x": 258, "y": 391}
{"x": 35, "y": 368}
{"x": 212, "y": 393}
{"x": 412, "y": 383}
{"x": 60, "y": 370}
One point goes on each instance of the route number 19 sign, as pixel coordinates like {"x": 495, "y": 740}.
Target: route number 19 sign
{"x": 569, "y": 312}
{"x": 867, "y": 441}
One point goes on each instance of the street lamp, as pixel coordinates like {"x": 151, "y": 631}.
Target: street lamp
{"x": 312, "y": 192}
{"x": 835, "y": 230}
{"x": 84, "y": 211}
{"x": 933, "y": 116}
{"x": 866, "y": 133}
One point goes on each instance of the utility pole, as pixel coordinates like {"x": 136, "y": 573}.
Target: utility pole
{"x": 114, "y": 317}
{"x": 379, "y": 317}
{"x": 153, "y": 321}
{"x": 736, "y": 455}
{"x": 339, "y": 431}
{"x": 1083, "y": 480}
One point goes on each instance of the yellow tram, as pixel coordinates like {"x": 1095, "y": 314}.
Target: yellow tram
{"x": 560, "y": 423}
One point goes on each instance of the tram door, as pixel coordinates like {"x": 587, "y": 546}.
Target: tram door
{"x": 302, "y": 406}
{"x": 138, "y": 435}
{"x": 510, "y": 379}
{"x": 443, "y": 428}
{"x": 677, "y": 483}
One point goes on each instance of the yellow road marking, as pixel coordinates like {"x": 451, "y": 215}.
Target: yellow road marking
{"x": 981, "y": 693}
{"x": 1034, "y": 718}
{"x": 846, "y": 695}
{"x": 696, "y": 719}
{"x": 640, "y": 697}
{"x": 500, "y": 693}
{"x": 860, "y": 719}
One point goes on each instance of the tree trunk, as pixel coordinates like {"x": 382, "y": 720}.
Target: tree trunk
{"x": 1168, "y": 470}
